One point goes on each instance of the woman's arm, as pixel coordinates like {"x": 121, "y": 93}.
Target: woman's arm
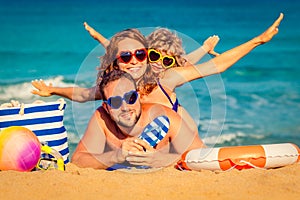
{"x": 73, "y": 93}
{"x": 96, "y": 35}
{"x": 207, "y": 47}
{"x": 177, "y": 76}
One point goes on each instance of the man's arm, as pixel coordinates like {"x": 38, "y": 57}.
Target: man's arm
{"x": 183, "y": 138}
{"x": 90, "y": 150}
{"x": 86, "y": 159}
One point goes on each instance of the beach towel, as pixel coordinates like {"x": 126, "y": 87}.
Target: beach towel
{"x": 45, "y": 119}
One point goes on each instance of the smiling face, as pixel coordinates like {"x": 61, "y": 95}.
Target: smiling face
{"x": 167, "y": 43}
{"x": 126, "y": 115}
{"x": 134, "y": 67}
{"x": 128, "y": 42}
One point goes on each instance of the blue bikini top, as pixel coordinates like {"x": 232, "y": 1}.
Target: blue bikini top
{"x": 175, "y": 105}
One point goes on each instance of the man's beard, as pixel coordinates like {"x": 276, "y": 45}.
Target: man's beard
{"x": 129, "y": 125}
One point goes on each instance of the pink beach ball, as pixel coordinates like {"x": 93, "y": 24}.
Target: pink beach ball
{"x": 20, "y": 149}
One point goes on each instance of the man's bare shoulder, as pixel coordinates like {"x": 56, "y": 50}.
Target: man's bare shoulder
{"x": 154, "y": 106}
{"x": 157, "y": 109}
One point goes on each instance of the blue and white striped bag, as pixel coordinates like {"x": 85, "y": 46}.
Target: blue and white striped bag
{"x": 44, "y": 119}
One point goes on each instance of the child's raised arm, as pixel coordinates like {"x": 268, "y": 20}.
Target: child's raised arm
{"x": 177, "y": 76}
{"x": 208, "y": 47}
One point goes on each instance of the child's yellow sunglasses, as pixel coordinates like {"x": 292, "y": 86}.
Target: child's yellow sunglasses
{"x": 155, "y": 56}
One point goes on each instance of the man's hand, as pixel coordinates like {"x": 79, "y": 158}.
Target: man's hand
{"x": 150, "y": 156}
{"x": 133, "y": 145}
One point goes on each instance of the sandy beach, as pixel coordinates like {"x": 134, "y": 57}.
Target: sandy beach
{"x": 167, "y": 183}
{"x": 256, "y": 101}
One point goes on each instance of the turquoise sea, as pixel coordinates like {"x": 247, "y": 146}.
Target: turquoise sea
{"x": 257, "y": 101}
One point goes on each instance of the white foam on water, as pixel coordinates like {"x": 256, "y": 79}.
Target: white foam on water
{"x": 22, "y": 91}
{"x": 231, "y": 137}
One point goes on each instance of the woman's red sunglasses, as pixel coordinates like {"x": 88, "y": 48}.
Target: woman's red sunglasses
{"x": 126, "y": 56}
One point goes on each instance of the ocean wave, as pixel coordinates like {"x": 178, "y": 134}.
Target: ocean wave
{"x": 232, "y": 139}
{"x": 22, "y": 91}
{"x": 73, "y": 138}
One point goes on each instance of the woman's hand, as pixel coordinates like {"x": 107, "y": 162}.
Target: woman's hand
{"x": 42, "y": 89}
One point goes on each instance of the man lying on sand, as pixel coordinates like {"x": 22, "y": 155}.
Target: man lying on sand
{"x": 112, "y": 133}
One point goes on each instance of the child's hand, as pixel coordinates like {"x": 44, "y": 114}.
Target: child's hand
{"x": 210, "y": 43}
{"x": 271, "y": 31}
